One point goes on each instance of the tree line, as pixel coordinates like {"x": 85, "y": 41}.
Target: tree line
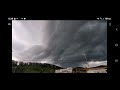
{"x": 21, "y": 67}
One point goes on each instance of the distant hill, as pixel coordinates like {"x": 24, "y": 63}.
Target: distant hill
{"x": 100, "y": 66}
{"x": 33, "y": 67}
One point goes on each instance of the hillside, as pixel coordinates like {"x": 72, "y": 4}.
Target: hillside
{"x": 33, "y": 67}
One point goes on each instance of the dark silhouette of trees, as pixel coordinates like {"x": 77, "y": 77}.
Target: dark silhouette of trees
{"x": 33, "y": 67}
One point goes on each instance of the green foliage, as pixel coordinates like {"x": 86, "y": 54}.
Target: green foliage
{"x": 33, "y": 68}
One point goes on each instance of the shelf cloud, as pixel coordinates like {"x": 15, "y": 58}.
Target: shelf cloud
{"x": 60, "y": 42}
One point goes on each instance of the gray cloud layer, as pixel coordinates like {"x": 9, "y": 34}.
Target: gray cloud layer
{"x": 60, "y": 42}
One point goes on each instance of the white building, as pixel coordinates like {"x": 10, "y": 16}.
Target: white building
{"x": 68, "y": 70}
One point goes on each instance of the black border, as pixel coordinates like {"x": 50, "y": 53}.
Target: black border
{"x": 112, "y": 66}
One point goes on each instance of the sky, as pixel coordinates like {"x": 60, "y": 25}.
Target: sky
{"x": 64, "y": 43}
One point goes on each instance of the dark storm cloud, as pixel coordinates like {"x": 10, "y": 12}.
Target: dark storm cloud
{"x": 66, "y": 40}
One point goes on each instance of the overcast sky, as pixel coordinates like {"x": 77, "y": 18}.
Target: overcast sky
{"x": 60, "y": 42}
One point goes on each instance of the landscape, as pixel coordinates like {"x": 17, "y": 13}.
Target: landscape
{"x": 48, "y": 68}
{"x": 59, "y": 46}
